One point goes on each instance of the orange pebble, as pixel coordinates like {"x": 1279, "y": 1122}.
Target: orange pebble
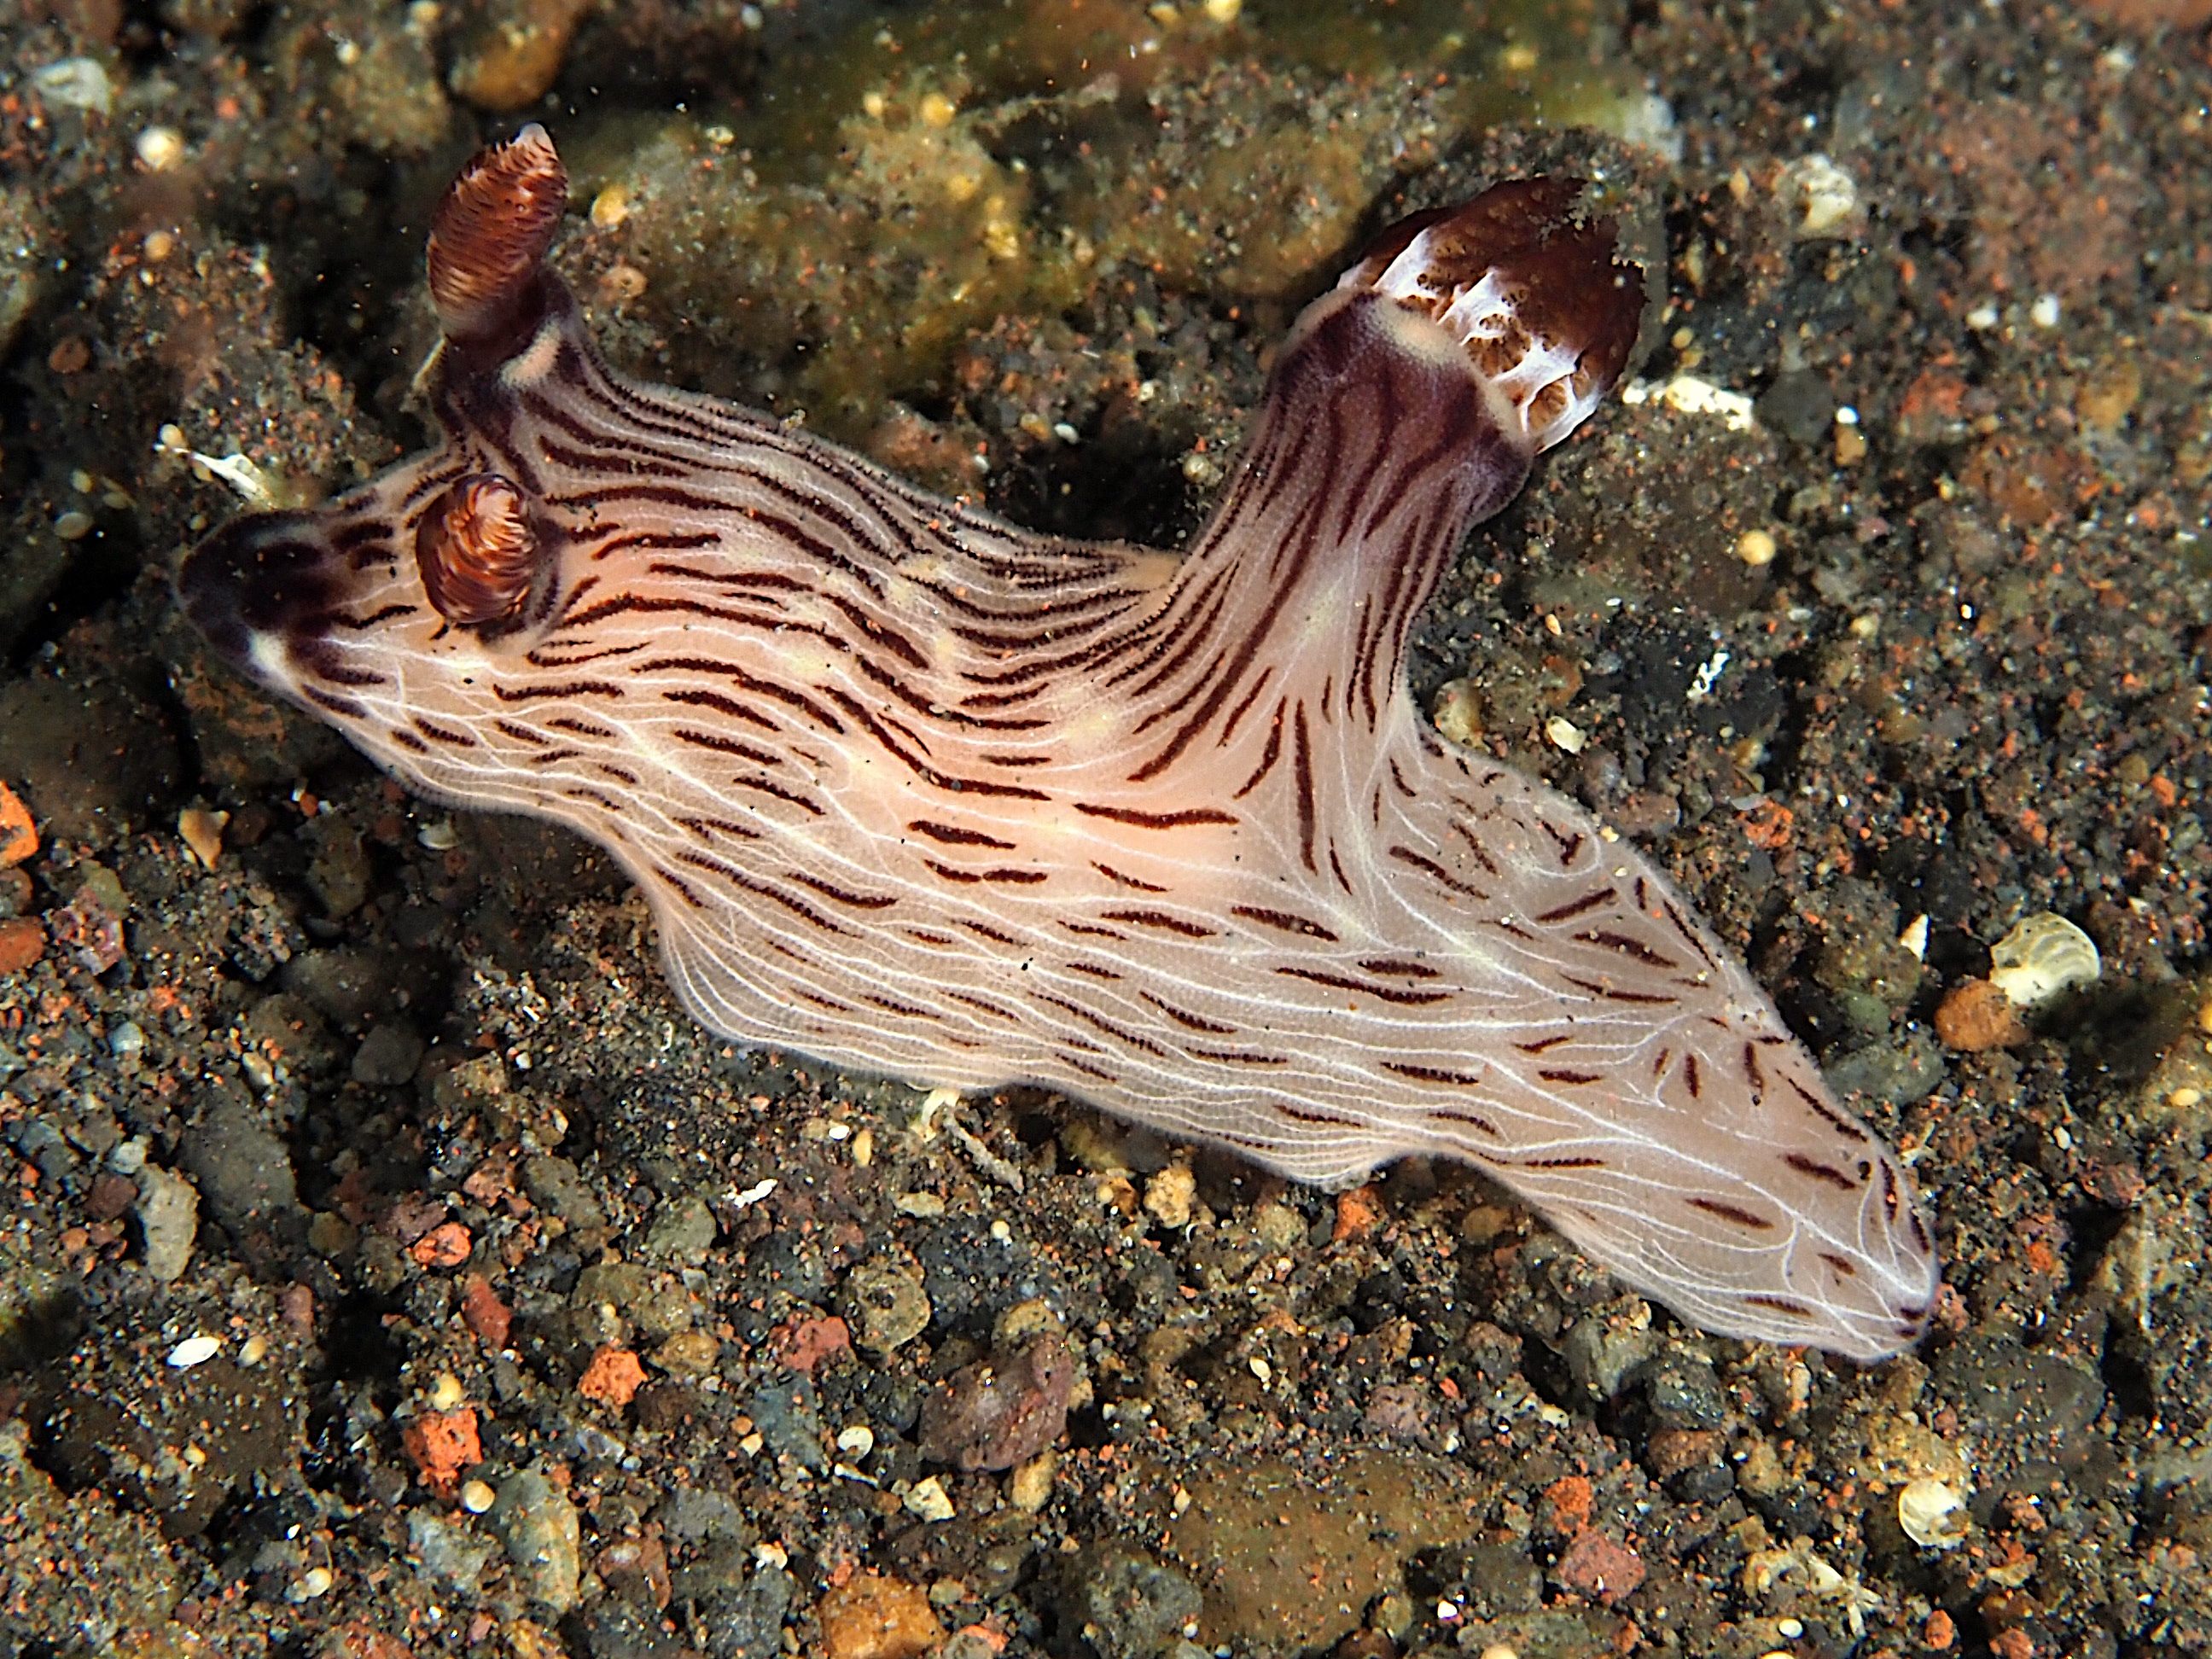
{"x": 443, "y": 1445}
{"x": 614, "y": 1376}
{"x": 445, "y": 1246}
{"x": 1976, "y": 1015}
{"x": 22, "y": 942}
{"x": 19, "y": 837}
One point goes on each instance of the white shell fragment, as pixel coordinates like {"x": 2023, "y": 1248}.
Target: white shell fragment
{"x": 194, "y": 1351}
{"x": 1933, "y": 1516}
{"x": 2046, "y": 954}
{"x": 1826, "y": 194}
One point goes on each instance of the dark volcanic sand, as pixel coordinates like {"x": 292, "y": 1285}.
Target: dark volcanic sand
{"x": 517, "y": 1353}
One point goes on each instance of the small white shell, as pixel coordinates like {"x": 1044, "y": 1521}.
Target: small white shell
{"x": 1933, "y": 1516}
{"x": 194, "y": 1351}
{"x": 2046, "y": 954}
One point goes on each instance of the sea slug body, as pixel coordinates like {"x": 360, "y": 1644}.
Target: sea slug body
{"x": 920, "y": 792}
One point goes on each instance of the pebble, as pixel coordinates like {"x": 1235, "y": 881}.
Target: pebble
{"x": 161, "y": 148}
{"x": 1002, "y": 1410}
{"x": 538, "y": 1526}
{"x": 928, "y": 1499}
{"x": 682, "y": 1230}
{"x": 1595, "y": 1566}
{"x": 689, "y": 1354}
{"x": 1127, "y": 1603}
{"x": 1030, "y": 1488}
{"x": 19, "y": 835}
{"x": 22, "y": 942}
{"x": 870, "y": 1616}
{"x": 1978, "y": 1016}
{"x": 888, "y": 1301}
{"x": 168, "y": 1215}
{"x": 1168, "y": 1195}
{"x": 387, "y": 1056}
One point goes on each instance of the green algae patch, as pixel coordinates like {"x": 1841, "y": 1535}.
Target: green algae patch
{"x": 893, "y": 190}
{"x": 1303, "y": 1553}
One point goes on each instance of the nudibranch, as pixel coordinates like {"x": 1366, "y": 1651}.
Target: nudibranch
{"x": 919, "y": 793}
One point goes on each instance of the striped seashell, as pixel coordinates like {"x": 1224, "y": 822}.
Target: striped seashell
{"x": 920, "y": 792}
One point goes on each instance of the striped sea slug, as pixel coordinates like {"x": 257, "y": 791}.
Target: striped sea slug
{"x": 920, "y": 792}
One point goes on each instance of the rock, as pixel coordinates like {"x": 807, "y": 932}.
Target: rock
{"x": 695, "y": 1515}
{"x": 1002, "y": 1410}
{"x": 1684, "y": 1393}
{"x": 2003, "y": 1390}
{"x": 120, "y": 1427}
{"x": 886, "y": 1299}
{"x": 1127, "y": 1604}
{"x": 340, "y": 873}
{"x": 22, "y": 942}
{"x": 1600, "y": 1351}
{"x": 387, "y": 1056}
{"x": 789, "y": 1421}
{"x": 554, "y": 1184}
{"x": 1298, "y": 1554}
{"x": 1978, "y": 1015}
{"x": 244, "y": 1171}
{"x": 451, "y": 1552}
{"x": 534, "y": 1519}
{"x": 1596, "y": 1566}
{"x": 871, "y": 1617}
{"x": 743, "y": 1616}
{"x": 349, "y": 987}
{"x": 1898, "y": 1070}
{"x": 168, "y": 1213}
{"x": 682, "y": 1230}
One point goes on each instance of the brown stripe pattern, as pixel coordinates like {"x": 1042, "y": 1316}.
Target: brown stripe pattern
{"x": 921, "y": 793}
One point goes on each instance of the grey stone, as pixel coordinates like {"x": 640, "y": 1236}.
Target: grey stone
{"x": 554, "y": 1184}
{"x": 450, "y": 1552}
{"x": 682, "y": 1230}
{"x": 1684, "y": 1392}
{"x": 387, "y": 1056}
{"x": 1601, "y": 1352}
{"x": 693, "y": 1514}
{"x": 745, "y": 1621}
{"x": 169, "y": 1214}
{"x": 1128, "y": 1604}
{"x": 243, "y": 1170}
{"x": 786, "y": 1414}
{"x": 538, "y": 1524}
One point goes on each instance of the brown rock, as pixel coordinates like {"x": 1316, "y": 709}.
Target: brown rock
{"x": 870, "y": 1617}
{"x": 1673, "y": 1451}
{"x": 22, "y": 942}
{"x": 1595, "y": 1565}
{"x": 484, "y": 1313}
{"x": 1000, "y": 1411}
{"x": 1976, "y": 1015}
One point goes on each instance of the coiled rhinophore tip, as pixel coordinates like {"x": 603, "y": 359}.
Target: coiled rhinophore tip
{"x": 1545, "y": 311}
{"x": 476, "y": 551}
{"x": 492, "y": 230}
